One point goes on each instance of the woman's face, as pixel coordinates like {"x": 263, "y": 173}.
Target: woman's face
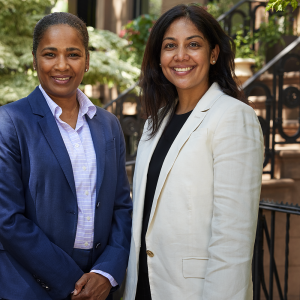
{"x": 186, "y": 56}
{"x": 61, "y": 61}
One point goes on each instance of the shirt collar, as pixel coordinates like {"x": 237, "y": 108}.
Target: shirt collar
{"x": 86, "y": 105}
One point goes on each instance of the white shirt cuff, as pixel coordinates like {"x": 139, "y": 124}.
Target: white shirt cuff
{"x": 108, "y": 276}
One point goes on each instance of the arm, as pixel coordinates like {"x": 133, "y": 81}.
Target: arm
{"x": 238, "y": 158}
{"x": 20, "y": 236}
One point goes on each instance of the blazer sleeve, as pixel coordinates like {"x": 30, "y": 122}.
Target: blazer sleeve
{"x": 237, "y": 149}
{"x": 114, "y": 258}
{"x": 20, "y": 237}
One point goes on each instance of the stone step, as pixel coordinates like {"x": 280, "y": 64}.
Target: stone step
{"x": 277, "y": 190}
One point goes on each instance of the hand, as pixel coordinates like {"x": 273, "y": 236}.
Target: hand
{"x": 91, "y": 286}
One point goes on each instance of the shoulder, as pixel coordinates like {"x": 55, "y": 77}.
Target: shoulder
{"x": 227, "y": 106}
{"x": 107, "y": 119}
{"x": 15, "y": 107}
{"x": 13, "y": 111}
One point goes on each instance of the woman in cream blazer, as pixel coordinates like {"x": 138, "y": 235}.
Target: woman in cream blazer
{"x": 201, "y": 229}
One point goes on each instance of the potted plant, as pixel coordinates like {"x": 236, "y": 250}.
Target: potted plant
{"x": 245, "y": 56}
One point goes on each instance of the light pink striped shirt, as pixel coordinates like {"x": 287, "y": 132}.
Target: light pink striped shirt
{"x": 82, "y": 154}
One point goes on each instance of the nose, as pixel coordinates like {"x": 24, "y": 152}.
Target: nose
{"x": 181, "y": 54}
{"x": 61, "y": 64}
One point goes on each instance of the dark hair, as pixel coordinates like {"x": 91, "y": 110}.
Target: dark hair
{"x": 59, "y": 18}
{"x": 156, "y": 90}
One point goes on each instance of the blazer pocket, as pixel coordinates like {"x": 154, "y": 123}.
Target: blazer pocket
{"x": 199, "y": 132}
{"x": 194, "y": 267}
{"x": 111, "y": 144}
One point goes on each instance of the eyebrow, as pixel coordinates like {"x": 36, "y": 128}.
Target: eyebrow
{"x": 188, "y": 38}
{"x": 70, "y": 49}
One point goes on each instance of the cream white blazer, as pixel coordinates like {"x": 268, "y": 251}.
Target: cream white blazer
{"x": 202, "y": 224}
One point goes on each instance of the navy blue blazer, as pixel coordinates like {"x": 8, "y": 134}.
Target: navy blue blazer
{"x": 38, "y": 204}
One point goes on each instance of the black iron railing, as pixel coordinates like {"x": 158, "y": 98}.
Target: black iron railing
{"x": 127, "y": 108}
{"x": 265, "y": 241}
{"x": 279, "y": 96}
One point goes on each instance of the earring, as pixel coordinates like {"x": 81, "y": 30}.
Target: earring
{"x": 160, "y": 65}
{"x": 33, "y": 68}
{"x": 86, "y": 70}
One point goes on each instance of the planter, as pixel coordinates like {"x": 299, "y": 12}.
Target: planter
{"x": 243, "y": 68}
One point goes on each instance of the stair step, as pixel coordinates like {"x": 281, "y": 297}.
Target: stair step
{"x": 277, "y": 190}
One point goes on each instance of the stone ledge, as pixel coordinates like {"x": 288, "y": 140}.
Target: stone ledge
{"x": 278, "y": 183}
{"x": 289, "y": 154}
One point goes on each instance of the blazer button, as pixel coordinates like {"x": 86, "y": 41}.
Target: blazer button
{"x": 98, "y": 204}
{"x": 150, "y": 253}
{"x": 98, "y": 245}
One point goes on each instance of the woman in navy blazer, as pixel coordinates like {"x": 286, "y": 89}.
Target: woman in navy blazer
{"x": 42, "y": 209}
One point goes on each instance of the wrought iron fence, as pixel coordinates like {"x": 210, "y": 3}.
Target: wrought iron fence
{"x": 128, "y": 110}
{"x": 281, "y": 110}
{"x": 265, "y": 242}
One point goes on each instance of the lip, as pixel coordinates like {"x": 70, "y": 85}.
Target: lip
{"x": 61, "y": 79}
{"x": 182, "y": 70}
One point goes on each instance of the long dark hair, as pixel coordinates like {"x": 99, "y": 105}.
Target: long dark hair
{"x": 159, "y": 96}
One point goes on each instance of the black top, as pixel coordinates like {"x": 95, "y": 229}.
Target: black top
{"x": 158, "y": 157}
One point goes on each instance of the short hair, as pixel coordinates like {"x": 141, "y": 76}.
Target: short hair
{"x": 60, "y": 18}
{"x": 156, "y": 91}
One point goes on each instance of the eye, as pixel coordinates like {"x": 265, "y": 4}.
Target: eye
{"x": 50, "y": 54}
{"x": 170, "y": 46}
{"x": 73, "y": 55}
{"x": 194, "y": 44}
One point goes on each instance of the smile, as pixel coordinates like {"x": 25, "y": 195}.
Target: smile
{"x": 62, "y": 79}
{"x": 183, "y": 69}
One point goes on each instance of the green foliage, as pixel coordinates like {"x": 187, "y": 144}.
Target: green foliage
{"x": 268, "y": 36}
{"x": 280, "y": 5}
{"x": 17, "y": 20}
{"x": 137, "y": 33}
{"x": 109, "y": 62}
{"x": 155, "y": 7}
{"x": 243, "y": 44}
{"x": 218, "y": 7}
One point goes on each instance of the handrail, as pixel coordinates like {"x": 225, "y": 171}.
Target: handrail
{"x": 121, "y": 95}
{"x": 223, "y": 16}
{"x": 285, "y": 51}
{"x": 280, "y": 207}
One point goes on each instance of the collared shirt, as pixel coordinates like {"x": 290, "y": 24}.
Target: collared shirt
{"x": 82, "y": 154}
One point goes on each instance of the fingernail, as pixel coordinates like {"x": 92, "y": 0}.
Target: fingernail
{"x": 75, "y": 292}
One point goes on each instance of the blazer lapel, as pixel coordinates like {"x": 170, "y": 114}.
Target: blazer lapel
{"x": 194, "y": 120}
{"x": 52, "y": 134}
{"x": 98, "y": 138}
{"x": 56, "y": 143}
{"x": 145, "y": 151}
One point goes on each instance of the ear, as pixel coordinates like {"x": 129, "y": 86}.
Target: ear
{"x": 34, "y": 61}
{"x": 214, "y": 54}
{"x": 87, "y": 61}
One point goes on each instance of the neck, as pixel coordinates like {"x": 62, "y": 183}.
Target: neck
{"x": 188, "y": 98}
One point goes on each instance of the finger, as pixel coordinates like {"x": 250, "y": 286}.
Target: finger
{"x": 104, "y": 295}
{"x": 80, "y": 284}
